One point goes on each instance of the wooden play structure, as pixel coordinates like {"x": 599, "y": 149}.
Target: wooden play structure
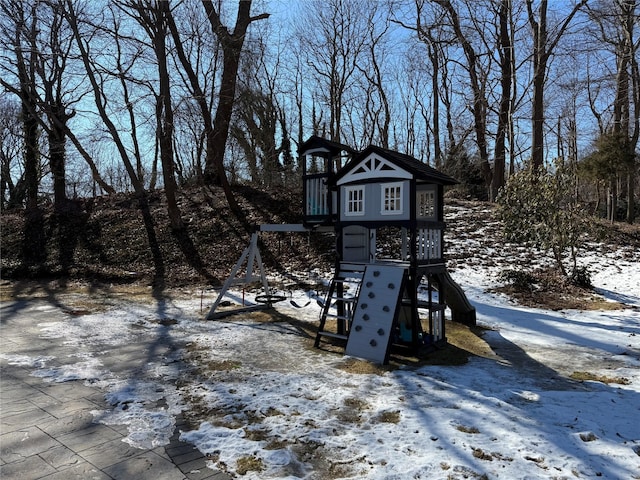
{"x": 390, "y": 285}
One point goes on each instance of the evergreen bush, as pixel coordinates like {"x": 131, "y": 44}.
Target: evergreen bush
{"x": 537, "y": 208}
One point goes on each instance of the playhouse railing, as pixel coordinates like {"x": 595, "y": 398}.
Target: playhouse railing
{"x": 317, "y": 195}
{"x": 429, "y": 243}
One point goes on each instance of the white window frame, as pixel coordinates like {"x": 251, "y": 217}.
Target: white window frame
{"x": 434, "y": 205}
{"x": 351, "y": 201}
{"x": 396, "y": 202}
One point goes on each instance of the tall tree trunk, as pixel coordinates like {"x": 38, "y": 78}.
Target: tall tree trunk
{"x": 231, "y": 43}
{"x": 165, "y": 118}
{"x": 57, "y": 141}
{"x": 435, "y": 87}
{"x": 612, "y": 199}
{"x": 27, "y": 94}
{"x": 217, "y": 132}
{"x": 543, "y": 48}
{"x": 539, "y": 71}
{"x": 633, "y": 46}
{"x": 31, "y": 155}
{"x": 479, "y": 109}
{"x": 506, "y": 52}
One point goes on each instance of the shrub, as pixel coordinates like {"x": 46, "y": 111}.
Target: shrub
{"x": 537, "y": 208}
{"x": 518, "y": 279}
{"x": 466, "y": 169}
{"x": 581, "y": 277}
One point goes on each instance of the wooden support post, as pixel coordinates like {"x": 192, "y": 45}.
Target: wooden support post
{"x": 250, "y": 254}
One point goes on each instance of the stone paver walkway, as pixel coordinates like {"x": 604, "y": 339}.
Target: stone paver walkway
{"x": 47, "y": 430}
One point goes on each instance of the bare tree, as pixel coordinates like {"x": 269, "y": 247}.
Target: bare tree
{"x": 51, "y": 92}
{"x": 543, "y": 48}
{"x": 626, "y": 97}
{"x": 101, "y": 102}
{"x": 12, "y": 192}
{"x": 378, "y": 107}
{"x": 231, "y": 43}
{"x": 505, "y": 53}
{"x": 435, "y": 32}
{"x": 51, "y": 68}
{"x": 477, "y": 83}
{"x": 258, "y": 118}
{"x": 615, "y": 26}
{"x": 217, "y": 130}
{"x": 152, "y": 16}
{"x": 16, "y": 24}
{"x": 334, "y": 39}
{"x": 435, "y": 54}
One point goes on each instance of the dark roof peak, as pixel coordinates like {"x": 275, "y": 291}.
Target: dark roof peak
{"x": 318, "y": 144}
{"x": 419, "y": 170}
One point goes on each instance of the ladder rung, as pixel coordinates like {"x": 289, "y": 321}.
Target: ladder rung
{"x": 333, "y": 335}
{"x": 432, "y": 306}
{"x": 350, "y": 279}
{"x": 340, "y": 317}
{"x": 345, "y": 299}
{"x": 347, "y": 280}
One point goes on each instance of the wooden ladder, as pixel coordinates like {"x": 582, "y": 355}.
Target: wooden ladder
{"x": 334, "y": 298}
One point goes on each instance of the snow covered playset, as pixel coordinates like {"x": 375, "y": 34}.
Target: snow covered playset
{"x": 377, "y": 292}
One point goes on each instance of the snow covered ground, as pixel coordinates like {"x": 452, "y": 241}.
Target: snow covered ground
{"x": 256, "y": 391}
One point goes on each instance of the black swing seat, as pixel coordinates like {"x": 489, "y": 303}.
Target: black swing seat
{"x": 270, "y": 298}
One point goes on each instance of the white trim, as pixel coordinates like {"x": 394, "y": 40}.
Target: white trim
{"x": 374, "y": 166}
{"x": 311, "y": 151}
{"x": 396, "y": 201}
{"x": 361, "y": 201}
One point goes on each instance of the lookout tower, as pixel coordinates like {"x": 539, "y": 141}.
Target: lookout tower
{"x": 321, "y": 159}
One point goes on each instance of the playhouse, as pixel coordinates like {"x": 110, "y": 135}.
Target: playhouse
{"x": 390, "y": 285}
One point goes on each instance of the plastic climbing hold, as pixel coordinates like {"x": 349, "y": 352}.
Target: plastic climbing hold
{"x": 365, "y": 317}
{"x": 369, "y": 284}
{"x": 376, "y": 273}
{"x": 358, "y": 328}
{"x": 380, "y": 332}
{"x": 373, "y": 343}
{"x": 385, "y": 308}
{"x": 363, "y": 306}
{"x": 371, "y": 295}
{"x": 391, "y": 286}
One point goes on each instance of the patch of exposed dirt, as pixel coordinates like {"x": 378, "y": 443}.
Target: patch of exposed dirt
{"x": 105, "y": 242}
{"x": 546, "y": 288}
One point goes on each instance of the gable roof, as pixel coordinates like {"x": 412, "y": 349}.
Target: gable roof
{"x": 321, "y": 147}
{"x": 419, "y": 170}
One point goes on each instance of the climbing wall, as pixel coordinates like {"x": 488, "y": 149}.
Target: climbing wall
{"x": 373, "y": 317}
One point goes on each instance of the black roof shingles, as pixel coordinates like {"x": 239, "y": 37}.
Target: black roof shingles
{"x": 421, "y": 171}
